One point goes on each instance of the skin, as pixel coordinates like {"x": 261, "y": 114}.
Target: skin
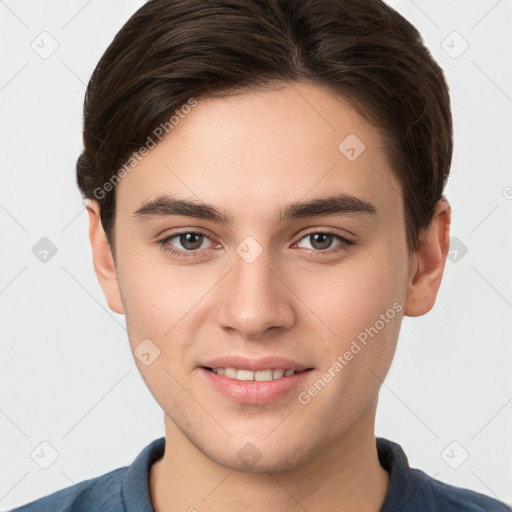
{"x": 266, "y": 149}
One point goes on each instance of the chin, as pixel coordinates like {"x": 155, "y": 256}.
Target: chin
{"x": 250, "y": 459}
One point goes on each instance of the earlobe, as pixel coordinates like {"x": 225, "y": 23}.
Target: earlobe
{"x": 428, "y": 262}
{"x": 103, "y": 260}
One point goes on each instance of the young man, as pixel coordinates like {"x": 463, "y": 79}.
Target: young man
{"x": 264, "y": 184}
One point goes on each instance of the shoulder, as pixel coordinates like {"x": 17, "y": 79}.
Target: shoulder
{"x": 450, "y": 498}
{"x": 413, "y": 489}
{"x": 120, "y": 489}
{"x": 102, "y": 493}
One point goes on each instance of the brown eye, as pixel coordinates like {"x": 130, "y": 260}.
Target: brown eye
{"x": 187, "y": 244}
{"x": 323, "y": 242}
{"x": 191, "y": 241}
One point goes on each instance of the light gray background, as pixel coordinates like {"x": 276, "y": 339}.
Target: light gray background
{"x": 67, "y": 376}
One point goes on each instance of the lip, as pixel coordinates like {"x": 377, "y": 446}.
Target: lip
{"x": 251, "y": 391}
{"x": 264, "y": 363}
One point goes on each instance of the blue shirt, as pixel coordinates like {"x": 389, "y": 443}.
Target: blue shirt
{"x": 126, "y": 489}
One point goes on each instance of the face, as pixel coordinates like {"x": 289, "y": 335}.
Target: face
{"x": 321, "y": 287}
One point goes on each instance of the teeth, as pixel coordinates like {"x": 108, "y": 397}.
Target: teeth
{"x": 230, "y": 372}
{"x": 263, "y": 375}
{"x": 243, "y": 374}
{"x": 260, "y": 375}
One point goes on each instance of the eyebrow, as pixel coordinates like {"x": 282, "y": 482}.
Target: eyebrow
{"x": 331, "y": 205}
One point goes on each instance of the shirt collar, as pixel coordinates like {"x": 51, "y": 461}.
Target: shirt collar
{"x": 402, "y": 491}
{"x": 135, "y": 487}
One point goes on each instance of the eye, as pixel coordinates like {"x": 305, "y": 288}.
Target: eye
{"x": 191, "y": 241}
{"x": 321, "y": 241}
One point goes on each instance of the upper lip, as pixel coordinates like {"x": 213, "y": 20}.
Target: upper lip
{"x": 264, "y": 363}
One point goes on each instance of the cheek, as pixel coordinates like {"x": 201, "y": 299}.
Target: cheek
{"x": 361, "y": 307}
{"x": 352, "y": 296}
{"x": 161, "y": 300}
{"x": 363, "y": 312}
{"x": 157, "y": 301}
{"x": 148, "y": 294}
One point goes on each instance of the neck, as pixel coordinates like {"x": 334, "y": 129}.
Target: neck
{"x": 344, "y": 476}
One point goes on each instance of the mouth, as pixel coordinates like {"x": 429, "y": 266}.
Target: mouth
{"x": 258, "y": 375}
{"x": 258, "y": 387}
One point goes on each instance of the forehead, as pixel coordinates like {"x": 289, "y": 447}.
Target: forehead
{"x": 255, "y": 151}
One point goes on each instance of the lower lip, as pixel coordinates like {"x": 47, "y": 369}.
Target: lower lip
{"x": 252, "y": 391}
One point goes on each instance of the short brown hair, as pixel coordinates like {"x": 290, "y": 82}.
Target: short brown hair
{"x": 362, "y": 50}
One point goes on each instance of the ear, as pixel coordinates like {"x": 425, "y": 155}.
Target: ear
{"x": 427, "y": 263}
{"x": 102, "y": 257}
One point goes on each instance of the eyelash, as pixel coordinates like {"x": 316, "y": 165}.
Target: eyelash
{"x": 164, "y": 244}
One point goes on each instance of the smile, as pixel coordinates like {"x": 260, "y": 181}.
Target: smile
{"x": 261, "y": 375}
{"x": 254, "y": 388}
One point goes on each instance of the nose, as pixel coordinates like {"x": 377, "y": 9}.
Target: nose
{"x": 256, "y": 298}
